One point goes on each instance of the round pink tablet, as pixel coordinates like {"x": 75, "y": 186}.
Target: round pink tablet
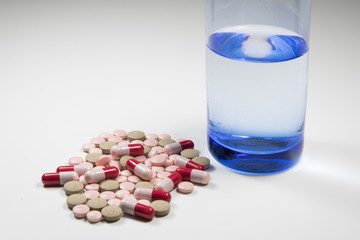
{"x": 163, "y": 175}
{"x": 107, "y": 195}
{"x": 130, "y": 198}
{"x": 126, "y": 173}
{"x": 102, "y": 160}
{"x": 168, "y": 162}
{"x": 82, "y": 179}
{"x": 93, "y": 186}
{"x": 87, "y": 164}
{"x": 134, "y": 179}
{"x": 115, "y": 139}
{"x": 158, "y": 160}
{"x": 171, "y": 168}
{"x": 128, "y": 186}
{"x": 87, "y": 146}
{"x": 123, "y": 142}
{"x": 180, "y": 139}
{"x": 148, "y": 163}
{"x": 141, "y": 159}
{"x": 114, "y": 202}
{"x": 114, "y": 163}
{"x": 75, "y": 160}
{"x": 121, "y": 179}
{"x": 120, "y": 194}
{"x": 95, "y": 150}
{"x": 164, "y": 136}
{"x": 151, "y": 142}
{"x": 155, "y": 180}
{"x": 94, "y": 216}
{"x": 91, "y": 194}
{"x": 144, "y": 201}
{"x": 157, "y": 169}
{"x": 80, "y": 210}
{"x": 137, "y": 142}
{"x": 120, "y": 133}
{"x": 97, "y": 141}
{"x": 152, "y": 136}
{"x": 105, "y": 135}
{"x": 185, "y": 187}
{"x": 173, "y": 156}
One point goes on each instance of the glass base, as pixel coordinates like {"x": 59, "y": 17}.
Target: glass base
{"x": 255, "y": 164}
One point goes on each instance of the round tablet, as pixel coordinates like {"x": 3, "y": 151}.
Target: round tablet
{"x": 111, "y": 213}
{"x": 75, "y": 199}
{"x": 128, "y": 186}
{"x": 94, "y": 216}
{"x": 105, "y": 135}
{"x": 171, "y": 168}
{"x": 115, "y": 139}
{"x": 97, "y": 141}
{"x": 185, "y": 187}
{"x": 158, "y": 160}
{"x": 75, "y": 160}
{"x": 157, "y": 169}
{"x": 123, "y": 161}
{"x": 140, "y": 159}
{"x": 151, "y": 136}
{"x": 120, "y": 133}
{"x": 144, "y": 184}
{"x": 134, "y": 179}
{"x": 151, "y": 142}
{"x": 95, "y": 150}
{"x": 189, "y": 153}
{"x": 168, "y": 162}
{"x": 103, "y": 160}
{"x": 82, "y": 179}
{"x": 91, "y": 194}
{"x": 164, "y": 142}
{"x": 155, "y": 181}
{"x": 121, "y": 179}
{"x": 87, "y": 146}
{"x": 121, "y": 194}
{"x": 114, "y": 202}
{"x": 126, "y": 173}
{"x": 109, "y": 185}
{"x": 202, "y": 161}
{"x": 96, "y": 203}
{"x": 144, "y": 201}
{"x": 164, "y": 136}
{"x": 80, "y": 210}
{"x": 92, "y": 157}
{"x": 92, "y": 186}
{"x": 105, "y": 146}
{"x": 161, "y": 207}
{"x": 137, "y": 142}
{"x": 107, "y": 195}
{"x": 163, "y": 175}
{"x": 136, "y": 135}
{"x": 73, "y": 187}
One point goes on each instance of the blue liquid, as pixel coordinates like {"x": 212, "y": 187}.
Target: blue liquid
{"x": 232, "y": 143}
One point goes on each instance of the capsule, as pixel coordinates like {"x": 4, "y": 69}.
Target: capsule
{"x": 152, "y": 195}
{"x": 130, "y": 149}
{"x": 177, "y": 147}
{"x": 194, "y": 175}
{"x": 169, "y": 183}
{"x": 139, "y": 169}
{"x": 137, "y": 209}
{"x": 100, "y": 174}
{"x": 79, "y": 169}
{"x": 58, "y": 178}
{"x": 184, "y": 162}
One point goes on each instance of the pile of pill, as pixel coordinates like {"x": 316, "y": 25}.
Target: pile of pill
{"x": 131, "y": 173}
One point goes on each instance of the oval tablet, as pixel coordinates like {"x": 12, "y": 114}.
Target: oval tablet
{"x": 94, "y": 216}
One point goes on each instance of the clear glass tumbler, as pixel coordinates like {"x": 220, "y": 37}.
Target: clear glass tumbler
{"x": 256, "y": 75}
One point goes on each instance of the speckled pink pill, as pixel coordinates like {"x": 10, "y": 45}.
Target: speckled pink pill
{"x": 115, "y": 139}
{"x": 89, "y": 165}
{"x": 140, "y": 159}
{"x": 94, "y": 216}
{"x": 97, "y": 141}
{"x": 120, "y": 133}
{"x": 134, "y": 179}
{"x": 157, "y": 169}
{"x": 120, "y": 194}
{"x": 151, "y": 142}
{"x": 93, "y": 186}
{"x": 155, "y": 181}
{"x": 126, "y": 173}
{"x": 121, "y": 179}
{"x": 75, "y": 160}
{"x": 114, "y": 202}
{"x": 80, "y": 210}
{"x": 164, "y": 136}
{"x": 91, "y": 194}
{"x": 185, "y": 187}
{"x": 137, "y": 142}
{"x": 82, "y": 179}
{"x": 171, "y": 168}
{"x": 128, "y": 186}
{"x": 102, "y": 160}
{"x": 158, "y": 160}
{"x": 144, "y": 201}
{"x": 152, "y": 136}
{"x": 95, "y": 150}
{"x": 163, "y": 175}
{"x": 105, "y": 135}
{"x": 87, "y": 146}
{"x": 107, "y": 195}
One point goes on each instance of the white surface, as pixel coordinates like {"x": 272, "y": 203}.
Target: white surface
{"x": 73, "y": 69}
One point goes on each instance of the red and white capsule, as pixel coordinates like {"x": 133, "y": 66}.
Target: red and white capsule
{"x": 139, "y": 169}
{"x": 169, "y": 183}
{"x": 184, "y": 162}
{"x": 151, "y": 194}
{"x": 100, "y": 174}
{"x": 194, "y": 175}
{"x": 79, "y": 169}
{"x": 137, "y": 209}
{"x": 177, "y": 147}
{"x": 58, "y": 178}
{"x": 130, "y": 149}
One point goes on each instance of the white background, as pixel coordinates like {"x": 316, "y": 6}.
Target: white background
{"x": 72, "y": 69}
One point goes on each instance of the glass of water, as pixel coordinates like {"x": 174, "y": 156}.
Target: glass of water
{"x": 256, "y": 76}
